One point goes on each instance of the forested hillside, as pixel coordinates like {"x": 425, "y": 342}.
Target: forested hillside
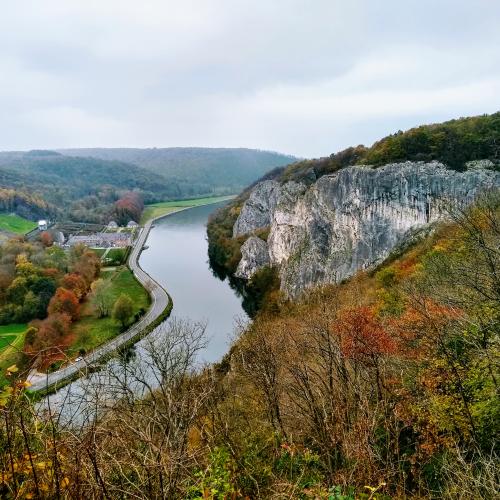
{"x": 453, "y": 143}
{"x": 63, "y": 179}
{"x": 385, "y": 386}
{"x": 85, "y": 187}
{"x": 196, "y": 171}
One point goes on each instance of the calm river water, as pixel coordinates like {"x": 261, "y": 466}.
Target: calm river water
{"x": 177, "y": 258}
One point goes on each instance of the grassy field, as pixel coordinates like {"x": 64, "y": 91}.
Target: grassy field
{"x": 15, "y": 224}
{"x": 11, "y": 346}
{"x": 91, "y": 331}
{"x": 163, "y": 208}
{"x": 115, "y": 256}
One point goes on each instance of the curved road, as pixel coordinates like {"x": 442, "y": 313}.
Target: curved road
{"x": 159, "y": 301}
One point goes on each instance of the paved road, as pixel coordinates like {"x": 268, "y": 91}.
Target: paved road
{"x": 159, "y": 301}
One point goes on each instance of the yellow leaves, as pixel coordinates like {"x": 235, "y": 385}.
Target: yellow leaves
{"x": 373, "y": 490}
{"x": 12, "y": 369}
{"x": 27, "y": 384}
{"x": 64, "y": 482}
{"x": 5, "y": 395}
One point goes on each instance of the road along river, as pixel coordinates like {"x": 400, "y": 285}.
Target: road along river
{"x": 177, "y": 259}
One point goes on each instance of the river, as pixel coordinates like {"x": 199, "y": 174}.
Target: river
{"x": 177, "y": 258}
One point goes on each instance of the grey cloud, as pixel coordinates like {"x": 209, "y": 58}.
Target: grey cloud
{"x": 292, "y": 75}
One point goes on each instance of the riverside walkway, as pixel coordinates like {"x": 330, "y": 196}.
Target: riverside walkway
{"x": 159, "y": 302}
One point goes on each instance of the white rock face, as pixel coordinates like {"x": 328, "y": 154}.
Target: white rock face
{"x": 352, "y": 219}
{"x": 257, "y": 210}
{"x": 254, "y": 255}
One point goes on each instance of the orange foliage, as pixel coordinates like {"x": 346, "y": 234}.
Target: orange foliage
{"x": 50, "y": 272}
{"x": 88, "y": 266}
{"x": 64, "y": 301}
{"x": 49, "y": 338}
{"x": 76, "y": 284}
{"x": 363, "y": 337}
{"x": 46, "y": 239}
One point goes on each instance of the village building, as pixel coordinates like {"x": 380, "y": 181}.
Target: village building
{"x": 101, "y": 240}
{"x": 43, "y": 225}
{"x": 132, "y": 223}
{"x": 58, "y": 237}
{"x": 112, "y": 224}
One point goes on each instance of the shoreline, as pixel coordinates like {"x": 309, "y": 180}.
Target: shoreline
{"x": 161, "y": 306}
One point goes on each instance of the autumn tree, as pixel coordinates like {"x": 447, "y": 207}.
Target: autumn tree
{"x": 64, "y": 301}
{"x": 47, "y": 336}
{"x": 46, "y": 239}
{"x": 128, "y": 207}
{"x": 87, "y": 265}
{"x": 76, "y": 284}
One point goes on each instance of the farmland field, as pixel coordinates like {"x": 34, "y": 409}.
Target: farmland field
{"x": 163, "y": 208}
{"x": 15, "y": 224}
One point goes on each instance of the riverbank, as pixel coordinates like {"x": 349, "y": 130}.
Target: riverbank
{"x": 161, "y": 306}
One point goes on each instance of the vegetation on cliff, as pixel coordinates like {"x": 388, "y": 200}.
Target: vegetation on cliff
{"x": 453, "y": 143}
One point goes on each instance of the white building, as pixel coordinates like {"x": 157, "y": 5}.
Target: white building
{"x": 132, "y": 223}
{"x": 43, "y": 225}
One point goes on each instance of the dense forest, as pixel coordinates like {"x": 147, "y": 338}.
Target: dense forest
{"x": 385, "y": 386}
{"x": 24, "y": 204}
{"x": 196, "y": 171}
{"x": 453, "y": 143}
{"x": 82, "y": 189}
{"x": 30, "y": 273}
{"x": 86, "y": 188}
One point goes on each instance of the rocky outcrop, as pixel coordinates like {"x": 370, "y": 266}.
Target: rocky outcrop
{"x": 257, "y": 210}
{"x": 352, "y": 219}
{"x": 254, "y": 255}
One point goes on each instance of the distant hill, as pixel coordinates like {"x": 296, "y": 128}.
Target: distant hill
{"x": 82, "y": 184}
{"x": 196, "y": 171}
{"x": 77, "y": 188}
{"x": 59, "y": 178}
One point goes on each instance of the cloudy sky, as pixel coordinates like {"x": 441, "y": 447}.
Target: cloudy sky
{"x": 306, "y": 77}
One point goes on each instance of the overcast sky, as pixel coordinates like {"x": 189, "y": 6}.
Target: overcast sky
{"x": 306, "y": 77}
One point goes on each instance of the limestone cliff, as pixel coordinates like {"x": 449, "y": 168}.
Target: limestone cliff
{"x": 349, "y": 220}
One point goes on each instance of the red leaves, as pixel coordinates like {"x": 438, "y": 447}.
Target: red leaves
{"x": 49, "y": 337}
{"x": 363, "y": 337}
{"x": 64, "y": 301}
{"x": 129, "y": 207}
{"x": 76, "y": 284}
{"x": 46, "y": 239}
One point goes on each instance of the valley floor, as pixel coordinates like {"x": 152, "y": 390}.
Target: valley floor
{"x": 166, "y": 207}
